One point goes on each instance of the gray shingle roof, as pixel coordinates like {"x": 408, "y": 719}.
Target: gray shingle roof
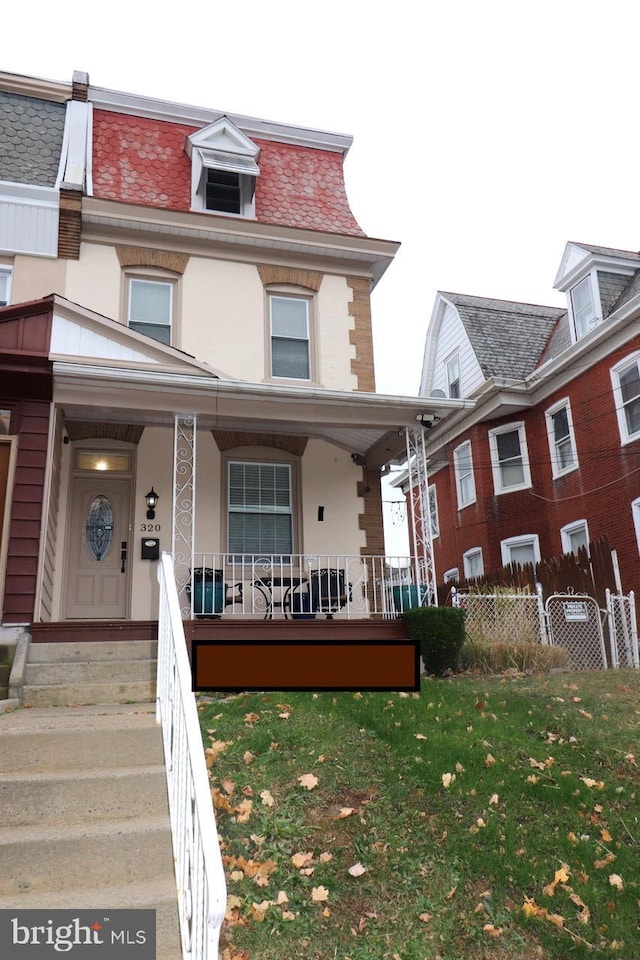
{"x": 508, "y": 338}
{"x": 608, "y": 251}
{"x": 30, "y": 139}
{"x": 631, "y": 290}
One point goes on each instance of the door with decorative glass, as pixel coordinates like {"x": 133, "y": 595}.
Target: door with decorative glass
{"x": 99, "y": 548}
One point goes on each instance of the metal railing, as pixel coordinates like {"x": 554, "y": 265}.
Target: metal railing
{"x": 303, "y": 586}
{"x": 198, "y": 863}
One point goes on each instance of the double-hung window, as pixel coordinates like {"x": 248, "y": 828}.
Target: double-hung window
{"x": 453, "y": 376}
{"x": 463, "y": 466}
{"x": 433, "y": 512}
{"x": 5, "y": 285}
{"x": 521, "y": 550}
{"x": 625, "y": 377}
{"x": 472, "y": 563}
{"x": 290, "y": 337}
{"x": 562, "y": 446}
{"x": 260, "y": 518}
{"x": 584, "y": 314}
{"x": 574, "y": 536}
{"x": 150, "y": 307}
{"x": 509, "y": 458}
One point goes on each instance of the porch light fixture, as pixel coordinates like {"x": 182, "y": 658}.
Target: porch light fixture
{"x": 427, "y": 420}
{"x": 152, "y": 502}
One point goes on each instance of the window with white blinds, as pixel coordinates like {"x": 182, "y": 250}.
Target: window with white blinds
{"x": 260, "y": 509}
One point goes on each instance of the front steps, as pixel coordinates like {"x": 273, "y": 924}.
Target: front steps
{"x": 84, "y": 819}
{"x": 76, "y": 672}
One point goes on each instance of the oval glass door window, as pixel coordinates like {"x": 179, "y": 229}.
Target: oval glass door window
{"x": 99, "y": 527}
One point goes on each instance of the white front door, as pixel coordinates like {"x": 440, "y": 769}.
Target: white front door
{"x": 99, "y": 548}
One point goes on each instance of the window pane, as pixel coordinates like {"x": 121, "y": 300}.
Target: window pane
{"x": 473, "y": 564}
{"x": 577, "y": 539}
{"x": 290, "y": 358}
{"x": 522, "y": 553}
{"x": 4, "y": 289}
{"x": 161, "y": 333}
{"x": 582, "y": 306}
{"x": 560, "y": 425}
{"x": 149, "y": 302}
{"x": 223, "y": 191}
{"x": 260, "y": 520}
{"x": 512, "y": 473}
{"x": 510, "y": 458}
{"x": 508, "y": 445}
{"x": 289, "y": 317}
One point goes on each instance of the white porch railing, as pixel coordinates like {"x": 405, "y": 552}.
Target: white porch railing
{"x": 198, "y": 863}
{"x": 303, "y": 586}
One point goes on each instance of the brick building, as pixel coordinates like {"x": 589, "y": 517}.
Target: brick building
{"x": 547, "y": 455}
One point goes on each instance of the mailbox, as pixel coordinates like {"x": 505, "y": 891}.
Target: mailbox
{"x": 150, "y": 548}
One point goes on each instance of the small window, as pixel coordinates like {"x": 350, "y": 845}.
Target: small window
{"x": 626, "y": 387}
{"x": 521, "y": 550}
{"x": 584, "y": 315}
{"x": 150, "y": 307}
{"x": 260, "y": 521}
{"x": 289, "y": 321}
{"x": 472, "y": 562}
{"x": 463, "y": 466}
{"x": 453, "y": 377}
{"x": 574, "y": 536}
{"x": 223, "y": 191}
{"x": 452, "y": 575}
{"x": 433, "y": 512}
{"x": 635, "y": 513}
{"x": 5, "y": 286}
{"x": 562, "y": 444}
{"x": 509, "y": 458}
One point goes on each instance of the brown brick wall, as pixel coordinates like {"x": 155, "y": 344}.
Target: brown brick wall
{"x": 147, "y": 257}
{"x": 370, "y": 520}
{"x": 271, "y": 273}
{"x": 70, "y": 224}
{"x": 361, "y": 337}
{"x": 230, "y": 439}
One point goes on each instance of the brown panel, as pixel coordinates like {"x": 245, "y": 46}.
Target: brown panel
{"x": 316, "y": 665}
{"x": 292, "y": 276}
{"x": 87, "y": 430}
{"x": 5, "y": 458}
{"x": 230, "y": 439}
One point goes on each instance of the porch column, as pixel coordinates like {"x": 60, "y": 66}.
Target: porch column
{"x": 184, "y": 496}
{"x": 420, "y": 514}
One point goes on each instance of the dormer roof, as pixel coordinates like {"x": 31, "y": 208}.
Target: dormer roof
{"x": 579, "y": 258}
{"x": 223, "y": 146}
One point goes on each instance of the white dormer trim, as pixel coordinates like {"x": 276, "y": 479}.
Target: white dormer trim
{"x": 75, "y": 170}
{"x": 222, "y": 146}
{"x": 577, "y": 261}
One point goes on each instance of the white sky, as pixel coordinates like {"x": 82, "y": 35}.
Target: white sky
{"x": 487, "y": 132}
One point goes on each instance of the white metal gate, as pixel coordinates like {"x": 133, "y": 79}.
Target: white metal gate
{"x": 574, "y": 621}
{"x": 623, "y": 631}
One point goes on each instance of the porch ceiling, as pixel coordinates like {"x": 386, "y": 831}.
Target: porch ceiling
{"x": 368, "y": 425}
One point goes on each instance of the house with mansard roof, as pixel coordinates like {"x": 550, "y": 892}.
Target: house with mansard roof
{"x": 547, "y": 456}
{"x": 187, "y": 364}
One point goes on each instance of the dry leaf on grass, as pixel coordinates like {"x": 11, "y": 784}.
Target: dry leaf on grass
{"x": 319, "y": 894}
{"x": 266, "y": 798}
{"x": 302, "y": 859}
{"x": 616, "y": 881}
{"x": 357, "y": 870}
{"x": 447, "y": 779}
{"x": 345, "y": 812}
{"x": 308, "y": 780}
{"x": 248, "y": 757}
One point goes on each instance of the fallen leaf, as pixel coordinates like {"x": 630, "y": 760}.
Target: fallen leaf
{"x": 216, "y": 748}
{"x": 492, "y": 930}
{"x": 236, "y": 875}
{"x": 307, "y": 871}
{"x": 489, "y": 760}
{"x": 319, "y": 894}
{"x": 345, "y": 812}
{"x": 266, "y": 798}
{"x": 228, "y": 786}
{"x": 287, "y": 915}
{"x": 326, "y": 912}
{"x": 605, "y": 836}
{"x": 243, "y": 810}
{"x": 285, "y": 715}
{"x": 616, "y": 881}
{"x": 425, "y": 917}
{"x": 459, "y": 768}
{"x": 251, "y": 718}
{"x": 600, "y": 864}
{"x": 282, "y": 898}
{"x": 248, "y": 757}
{"x": 302, "y": 859}
{"x": 357, "y": 870}
{"x": 261, "y": 881}
{"x": 447, "y": 779}
{"x": 308, "y": 780}
{"x": 420, "y": 736}
{"x": 325, "y": 857}
{"x": 494, "y": 798}
{"x": 273, "y": 746}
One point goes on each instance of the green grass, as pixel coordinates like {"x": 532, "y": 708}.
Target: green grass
{"x": 545, "y": 778}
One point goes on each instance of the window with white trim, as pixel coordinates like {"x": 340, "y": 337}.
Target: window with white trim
{"x": 260, "y": 514}
{"x": 625, "y": 377}
{"x": 452, "y": 575}
{"x": 562, "y": 444}
{"x": 509, "y": 458}
{"x": 583, "y": 309}
{"x": 150, "y": 306}
{"x": 289, "y": 324}
{"x": 522, "y": 549}
{"x": 5, "y": 285}
{"x": 454, "y": 389}
{"x": 433, "y": 512}
{"x": 574, "y": 535}
{"x": 635, "y": 513}
{"x": 473, "y": 563}
{"x": 224, "y": 169}
{"x": 463, "y": 467}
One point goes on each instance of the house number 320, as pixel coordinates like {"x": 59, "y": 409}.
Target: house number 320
{"x": 150, "y": 527}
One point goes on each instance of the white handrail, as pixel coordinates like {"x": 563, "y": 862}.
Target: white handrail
{"x": 202, "y": 892}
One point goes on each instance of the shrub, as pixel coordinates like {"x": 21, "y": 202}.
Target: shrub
{"x": 495, "y": 657}
{"x": 440, "y": 633}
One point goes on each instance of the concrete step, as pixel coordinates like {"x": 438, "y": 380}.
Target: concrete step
{"x": 53, "y": 856}
{"x": 48, "y": 695}
{"x": 92, "y": 650}
{"x": 157, "y": 894}
{"x": 81, "y": 795}
{"x": 88, "y": 671}
{"x": 109, "y": 745}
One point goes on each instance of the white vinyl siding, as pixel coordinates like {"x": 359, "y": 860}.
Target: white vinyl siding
{"x": 452, "y": 338}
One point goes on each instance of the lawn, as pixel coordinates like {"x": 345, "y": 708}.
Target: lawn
{"x": 482, "y": 818}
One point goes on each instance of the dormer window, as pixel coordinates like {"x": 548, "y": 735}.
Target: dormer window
{"x": 223, "y": 169}
{"x": 453, "y": 377}
{"x": 584, "y": 313}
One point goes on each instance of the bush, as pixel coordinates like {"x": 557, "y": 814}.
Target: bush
{"x": 495, "y": 657}
{"x": 440, "y": 633}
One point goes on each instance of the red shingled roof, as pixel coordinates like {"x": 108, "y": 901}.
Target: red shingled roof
{"x": 140, "y": 160}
